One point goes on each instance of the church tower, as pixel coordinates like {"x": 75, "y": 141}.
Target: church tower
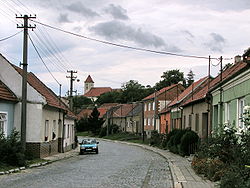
{"x": 88, "y": 84}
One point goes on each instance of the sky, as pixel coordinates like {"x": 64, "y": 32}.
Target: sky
{"x": 190, "y": 27}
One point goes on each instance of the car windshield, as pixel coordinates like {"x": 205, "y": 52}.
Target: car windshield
{"x": 89, "y": 141}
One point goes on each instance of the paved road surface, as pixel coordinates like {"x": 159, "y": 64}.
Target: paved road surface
{"x": 116, "y": 165}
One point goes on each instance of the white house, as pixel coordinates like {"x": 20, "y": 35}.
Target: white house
{"x": 48, "y": 118}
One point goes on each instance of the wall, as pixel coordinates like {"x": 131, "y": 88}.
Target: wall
{"x": 69, "y": 134}
{"x": 200, "y": 127}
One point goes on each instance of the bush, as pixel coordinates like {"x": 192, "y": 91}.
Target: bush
{"x": 11, "y": 150}
{"x": 113, "y": 129}
{"x": 175, "y": 139}
{"x": 189, "y": 143}
{"x": 155, "y": 139}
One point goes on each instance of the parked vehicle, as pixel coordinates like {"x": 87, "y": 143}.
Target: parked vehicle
{"x": 89, "y": 145}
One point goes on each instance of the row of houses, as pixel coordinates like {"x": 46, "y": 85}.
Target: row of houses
{"x": 206, "y": 106}
{"x": 50, "y": 124}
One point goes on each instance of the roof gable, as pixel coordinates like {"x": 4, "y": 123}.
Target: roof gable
{"x": 89, "y": 80}
{"x": 6, "y": 93}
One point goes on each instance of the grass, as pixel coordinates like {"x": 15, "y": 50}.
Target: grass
{"x": 37, "y": 160}
{"x": 5, "y": 167}
{"x": 86, "y": 133}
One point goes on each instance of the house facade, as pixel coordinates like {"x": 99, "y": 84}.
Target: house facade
{"x": 134, "y": 119}
{"x": 154, "y": 103}
{"x": 230, "y": 96}
{"x": 46, "y": 113}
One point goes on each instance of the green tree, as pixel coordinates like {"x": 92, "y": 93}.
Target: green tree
{"x": 190, "y": 78}
{"x": 109, "y": 97}
{"x": 80, "y": 102}
{"x": 170, "y": 77}
{"x": 132, "y": 91}
{"x": 95, "y": 123}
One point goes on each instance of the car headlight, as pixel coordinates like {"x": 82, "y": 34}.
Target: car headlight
{"x": 94, "y": 147}
{"x": 82, "y": 147}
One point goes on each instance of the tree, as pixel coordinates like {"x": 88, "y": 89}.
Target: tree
{"x": 190, "y": 78}
{"x": 132, "y": 91}
{"x": 80, "y": 102}
{"x": 170, "y": 77}
{"x": 109, "y": 97}
{"x": 95, "y": 123}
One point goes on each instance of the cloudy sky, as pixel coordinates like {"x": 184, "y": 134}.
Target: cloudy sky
{"x": 191, "y": 27}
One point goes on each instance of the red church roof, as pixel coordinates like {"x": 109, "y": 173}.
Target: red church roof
{"x": 89, "y": 80}
{"x": 97, "y": 91}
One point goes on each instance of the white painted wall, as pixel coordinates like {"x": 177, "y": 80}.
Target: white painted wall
{"x": 13, "y": 80}
{"x": 69, "y": 140}
{"x": 50, "y": 114}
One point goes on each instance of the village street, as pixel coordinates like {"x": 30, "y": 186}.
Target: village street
{"x": 116, "y": 165}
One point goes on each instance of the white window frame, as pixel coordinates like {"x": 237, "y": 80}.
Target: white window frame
{"x": 227, "y": 113}
{"x": 240, "y": 111}
{"x": 153, "y": 106}
{"x": 4, "y": 122}
{"x": 145, "y": 107}
{"x": 149, "y": 106}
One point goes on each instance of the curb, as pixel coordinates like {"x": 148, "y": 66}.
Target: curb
{"x": 172, "y": 167}
{"x": 35, "y": 165}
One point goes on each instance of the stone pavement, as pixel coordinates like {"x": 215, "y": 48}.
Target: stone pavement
{"x": 182, "y": 172}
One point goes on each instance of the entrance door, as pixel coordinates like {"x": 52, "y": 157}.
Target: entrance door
{"x": 204, "y": 125}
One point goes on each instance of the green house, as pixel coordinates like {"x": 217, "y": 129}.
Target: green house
{"x": 230, "y": 93}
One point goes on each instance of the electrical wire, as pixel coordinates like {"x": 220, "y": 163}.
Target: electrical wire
{"x": 121, "y": 45}
{"x": 42, "y": 60}
{"x": 6, "y": 38}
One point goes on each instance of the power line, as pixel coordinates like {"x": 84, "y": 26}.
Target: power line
{"x": 42, "y": 60}
{"x": 121, "y": 45}
{"x": 6, "y": 38}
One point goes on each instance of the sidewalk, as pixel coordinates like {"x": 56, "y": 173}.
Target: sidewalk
{"x": 61, "y": 156}
{"x": 182, "y": 172}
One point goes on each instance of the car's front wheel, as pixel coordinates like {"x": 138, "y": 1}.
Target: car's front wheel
{"x": 81, "y": 152}
{"x": 97, "y": 152}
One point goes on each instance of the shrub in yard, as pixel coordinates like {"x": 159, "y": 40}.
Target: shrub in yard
{"x": 155, "y": 139}
{"x": 11, "y": 151}
{"x": 189, "y": 142}
{"x": 175, "y": 140}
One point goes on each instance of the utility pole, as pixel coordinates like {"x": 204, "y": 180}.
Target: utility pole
{"x": 221, "y": 103}
{"x": 24, "y": 26}
{"x": 72, "y": 79}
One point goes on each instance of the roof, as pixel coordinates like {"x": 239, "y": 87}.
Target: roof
{"x": 6, "y": 93}
{"x": 84, "y": 113}
{"x": 123, "y": 110}
{"x": 160, "y": 92}
{"x": 227, "y": 74}
{"x": 97, "y": 91}
{"x": 187, "y": 92}
{"x": 89, "y": 80}
{"x": 51, "y": 98}
{"x": 137, "y": 108}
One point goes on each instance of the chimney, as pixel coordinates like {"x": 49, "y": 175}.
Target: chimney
{"x": 237, "y": 59}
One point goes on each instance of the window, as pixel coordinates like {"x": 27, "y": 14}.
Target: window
{"x": 190, "y": 121}
{"x": 227, "y": 112}
{"x": 184, "y": 121}
{"x": 46, "y": 130}
{"x": 3, "y": 123}
{"x": 54, "y": 130}
{"x": 145, "y": 121}
{"x": 241, "y": 104}
{"x": 148, "y": 121}
{"x": 153, "y": 121}
{"x": 149, "y": 106}
{"x": 145, "y": 107}
{"x": 153, "y": 105}
{"x": 197, "y": 122}
{"x": 68, "y": 132}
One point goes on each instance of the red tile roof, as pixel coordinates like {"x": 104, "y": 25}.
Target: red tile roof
{"x": 89, "y": 80}
{"x": 105, "y": 107}
{"x": 226, "y": 74}
{"x": 123, "y": 110}
{"x": 187, "y": 92}
{"x": 97, "y": 91}
{"x": 159, "y": 92}
{"x": 85, "y": 113}
{"x": 51, "y": 98}
{"x": 6, "y": 93}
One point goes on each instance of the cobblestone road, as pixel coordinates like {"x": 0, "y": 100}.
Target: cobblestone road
{"x": 117, "y": 165}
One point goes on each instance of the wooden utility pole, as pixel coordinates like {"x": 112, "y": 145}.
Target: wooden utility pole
{"x": 221, "y": 103}
{"x": 25, "y": 26}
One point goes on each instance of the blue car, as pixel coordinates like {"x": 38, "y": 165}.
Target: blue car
{"x": 89, "y": 145}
